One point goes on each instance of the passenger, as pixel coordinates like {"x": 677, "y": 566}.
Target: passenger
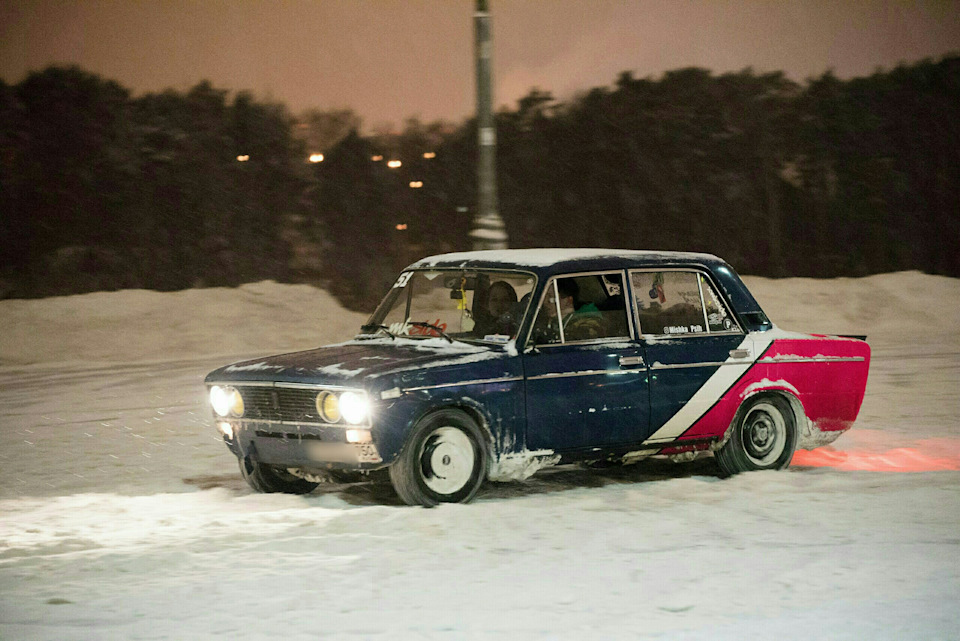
{"x": 501, "y": 298}
{"x": 495, "y": 317}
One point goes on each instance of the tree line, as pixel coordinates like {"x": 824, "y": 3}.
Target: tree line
{"x": 99, "y": 190}
{"x": 832, "y": 177}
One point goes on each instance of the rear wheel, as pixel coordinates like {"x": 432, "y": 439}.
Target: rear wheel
{"x": 764, "y": 437}
{"x": 269, "y": 479}
{"x": 443, "y": 461}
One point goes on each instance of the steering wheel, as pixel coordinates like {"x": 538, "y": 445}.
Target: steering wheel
{"x": 583, "y": 327}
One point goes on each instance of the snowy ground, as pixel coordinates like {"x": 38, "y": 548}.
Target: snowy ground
{"x": 122, "y": 515}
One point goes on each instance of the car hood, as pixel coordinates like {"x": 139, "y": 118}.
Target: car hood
{"x": 356, "y": 360}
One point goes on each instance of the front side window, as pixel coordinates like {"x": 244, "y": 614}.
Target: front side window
{"x": 480, "y": 305}
{"x": 582, "y": 308}
{"x": 679, "y": 303}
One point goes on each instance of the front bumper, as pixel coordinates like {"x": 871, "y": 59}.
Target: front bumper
{"x": 303, "y": 446}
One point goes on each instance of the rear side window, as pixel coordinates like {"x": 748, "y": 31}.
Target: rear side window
{"x": 718, "y": 318}
{"x": 679, "y": 303}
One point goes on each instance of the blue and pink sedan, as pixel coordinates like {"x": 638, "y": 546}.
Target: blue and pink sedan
{"x": 494, "y": 364}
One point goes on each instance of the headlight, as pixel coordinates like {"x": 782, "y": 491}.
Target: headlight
{"x": 354, "y": 407}
{"x": 226, "y": 401}
{"x": 328, "y": 407}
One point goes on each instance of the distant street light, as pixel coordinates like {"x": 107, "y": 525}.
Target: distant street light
{"x": 416, "y": 184}
{"x": 401, "y": 226}
{"x": 243, "y": 158}
{"x": 393, "y": 164}
{"x": 430, "y": 154}
{"x": 377, "y": 158}
{"x": 316, "y": 157}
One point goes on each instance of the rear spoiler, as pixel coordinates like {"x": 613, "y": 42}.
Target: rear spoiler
{"x": 859, "y": 337}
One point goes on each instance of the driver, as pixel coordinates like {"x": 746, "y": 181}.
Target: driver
{"x": 581, "y": 322}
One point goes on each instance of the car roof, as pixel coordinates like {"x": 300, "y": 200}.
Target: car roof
{"x": 560, "y": 260}
{"x": 548, "y": 262}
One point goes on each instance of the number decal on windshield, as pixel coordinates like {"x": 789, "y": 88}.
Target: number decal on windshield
{"x": 403, "y": 280}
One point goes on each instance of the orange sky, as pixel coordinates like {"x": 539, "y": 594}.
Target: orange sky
{"x": 390, "y": 59}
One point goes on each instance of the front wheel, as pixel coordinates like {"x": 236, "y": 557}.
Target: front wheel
{"x": 443, "y": 461}
{"x": 269, "y": 479}
{"x": 764, "y": 437}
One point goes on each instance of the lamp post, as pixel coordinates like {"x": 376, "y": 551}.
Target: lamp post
{"x": 488, "y": 229}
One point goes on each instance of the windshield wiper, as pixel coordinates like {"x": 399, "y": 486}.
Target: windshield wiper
{"x": 379, "y": 328}
{"x": 430, "y": 326}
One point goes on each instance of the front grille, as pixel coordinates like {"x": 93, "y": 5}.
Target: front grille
{"x": 279, "y": 404}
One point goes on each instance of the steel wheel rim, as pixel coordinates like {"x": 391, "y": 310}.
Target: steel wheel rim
{"x": 763, "y": 434}
{"x": 447, "y": 458}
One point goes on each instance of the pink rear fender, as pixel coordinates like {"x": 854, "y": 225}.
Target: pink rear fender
{"x": 823, "y": 377}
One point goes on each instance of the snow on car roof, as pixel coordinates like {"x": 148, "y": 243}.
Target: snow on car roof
{"x": 545, "y": 256}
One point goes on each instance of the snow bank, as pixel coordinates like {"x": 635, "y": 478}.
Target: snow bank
{"x": 140, "y": 325}
{"x": 898, "y": 307}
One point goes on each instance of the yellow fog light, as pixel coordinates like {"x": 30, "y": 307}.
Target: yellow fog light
{"x": 328, "y": 407}
{"x": 358, "y": 436}
{"x": 236, "y": 403}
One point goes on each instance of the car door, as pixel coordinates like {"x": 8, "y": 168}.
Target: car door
{"x": 694, "y": 347}
{"x": 586, "y": 380}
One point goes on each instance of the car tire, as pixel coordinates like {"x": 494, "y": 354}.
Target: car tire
{"x": 764, "y": 436}
{"x": 269, "y": 479}
{"x": 443, "y": 461}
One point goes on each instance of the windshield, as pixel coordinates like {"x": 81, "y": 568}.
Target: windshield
{"x": 479, "y": 305}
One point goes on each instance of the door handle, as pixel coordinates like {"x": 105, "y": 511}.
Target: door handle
{"x": 739, "y": 353}
{"x": 627, "y": 361}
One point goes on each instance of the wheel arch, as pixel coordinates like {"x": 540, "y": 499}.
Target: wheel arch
{"x": 801, "y": 422}
{"x": 735, "y": 454}
{"x": 471, "y": 409}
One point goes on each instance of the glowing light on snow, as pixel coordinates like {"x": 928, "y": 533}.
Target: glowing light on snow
{"x": 901, "y": 459}
{"x": 316, "y": 158}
